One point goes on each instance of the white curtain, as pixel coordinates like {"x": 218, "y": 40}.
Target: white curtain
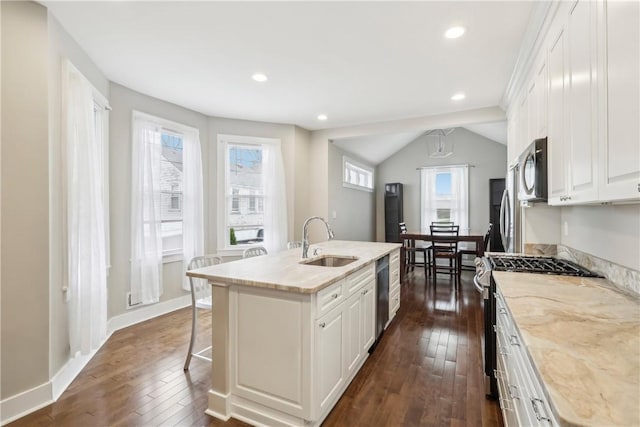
{"x": 192, "y": 201}
{"x": 86, "y": 254}
{"x": 457, "y": 201}
{"x": 146, "y": 237}
{"x": 275, "y": 199}
{"x": 460, "y": 203}
{"x": 428, "y": 212}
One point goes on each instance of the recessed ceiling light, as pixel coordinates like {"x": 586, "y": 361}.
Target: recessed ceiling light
{"x": 454, "y": 32}
{"x": 259, "y": 77}
{"x": 322, "y": 117}
{"x": 458, "y": 97}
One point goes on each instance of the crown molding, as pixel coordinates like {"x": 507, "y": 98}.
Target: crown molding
{"x": 542, "y": 16}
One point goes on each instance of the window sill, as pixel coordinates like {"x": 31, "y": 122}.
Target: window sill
{"x": 357, "y": 187}
{"x": 172, "y": 256}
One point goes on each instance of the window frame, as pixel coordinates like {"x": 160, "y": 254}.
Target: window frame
{"x": 176, "y": 129}
{"x": 223, "y": 143}
{"x": 348, "y": 164}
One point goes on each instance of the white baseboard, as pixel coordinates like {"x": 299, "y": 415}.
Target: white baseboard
{"x": 146, "y": 312}
{"x": 24, "y": 403}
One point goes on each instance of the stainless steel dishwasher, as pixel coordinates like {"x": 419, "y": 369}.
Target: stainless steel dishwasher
{"x": 382, "y": 292}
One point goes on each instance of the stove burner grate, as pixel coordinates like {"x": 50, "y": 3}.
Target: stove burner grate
{"x": 545, "y": 265}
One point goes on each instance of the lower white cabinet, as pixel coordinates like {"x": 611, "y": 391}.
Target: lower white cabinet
{"x": 522, "y": 399}
{"x": 331, "y": 344}
{"x": 292, "y": 355}
{"x": 394, "y": 284}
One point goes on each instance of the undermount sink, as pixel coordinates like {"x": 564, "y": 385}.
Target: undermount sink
{"x": 330, "y": 261}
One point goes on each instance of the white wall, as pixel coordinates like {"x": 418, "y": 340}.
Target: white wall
{"x": 61, "y": 46}
{"x": 25, "y": 198}
{"x": 355, "y": 209}
{"x": 489, "y": 159}
{"x": 610, "y": 232}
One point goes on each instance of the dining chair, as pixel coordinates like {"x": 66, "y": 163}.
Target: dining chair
{"x": 411, "y": 249}
{"x": 254, "y": 251}
{"x": 466, "y": 251}
{"x": 444, "y": 248}
{"x": 200, "y": 299}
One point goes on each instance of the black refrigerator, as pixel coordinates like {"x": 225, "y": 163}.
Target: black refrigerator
{"x": 393, "y": 215}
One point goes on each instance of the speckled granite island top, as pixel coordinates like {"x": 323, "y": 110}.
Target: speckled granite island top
{"x": 583, "y": 337}
{"x": 283, "y": 270}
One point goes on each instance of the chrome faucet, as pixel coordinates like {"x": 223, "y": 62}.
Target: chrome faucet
{"x": 305, "y": 234}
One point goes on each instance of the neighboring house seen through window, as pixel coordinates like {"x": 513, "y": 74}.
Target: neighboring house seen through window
{"x": 171, "y": 167}
{"x": 252, "y": 195}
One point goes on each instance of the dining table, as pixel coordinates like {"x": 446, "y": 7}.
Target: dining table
{"x": 412, "y": 236}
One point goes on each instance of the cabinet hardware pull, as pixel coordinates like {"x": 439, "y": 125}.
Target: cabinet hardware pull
{"x": 503, "y": 351}
{"x": 503, "y": 311}
{"x": 539, "y": 415}
{"x": 513, "y": 340}
{"x": 322, "y": 325}
{"x": 334, "y": 296}
{"x": 503, "y": 404}
{"x": 513, "y": 394}
{"x": 638, "y": 188}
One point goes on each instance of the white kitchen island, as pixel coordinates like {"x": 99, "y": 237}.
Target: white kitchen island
{"x": 288, "y": 338}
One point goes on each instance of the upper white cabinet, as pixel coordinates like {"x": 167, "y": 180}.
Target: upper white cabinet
{"x": 583, "y": 93}
{"x": 575, "y": 147}
{"x": 619, "y": 135}
{"x": 557, "y": 141}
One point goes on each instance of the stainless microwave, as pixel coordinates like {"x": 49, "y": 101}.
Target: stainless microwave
{"x": 533, "y": 172}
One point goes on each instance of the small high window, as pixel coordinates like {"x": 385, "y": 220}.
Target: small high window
{"x": 357, "y": 175}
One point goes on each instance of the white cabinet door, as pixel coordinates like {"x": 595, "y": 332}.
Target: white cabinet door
{"x": 541, "y": 99}
{"x": 620, "y": 109}
{"x": 532, "y": 109}
{"x": 557, "y": 138}
{"x": 330, "y": 345}
{"x": 368, "y": 299}
{"x": 581, "y": 103}
{"x": 523, "y": 134}
{"x": 354, "y": 330}
{"x": 512, "y": 137}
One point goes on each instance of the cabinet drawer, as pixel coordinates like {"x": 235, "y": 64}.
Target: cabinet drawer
{"x": 329, "y": 297}
{"x": 394, "y": 301}
{"x": 393, "y": 286}
{"x": 394, "y": 259}
{"x": 358, "y": 279}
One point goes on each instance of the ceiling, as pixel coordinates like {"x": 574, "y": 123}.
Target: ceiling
{"x": 356, "y": 62}
{"x": 377, "y": 148}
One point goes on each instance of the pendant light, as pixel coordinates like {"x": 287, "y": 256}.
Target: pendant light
{"x": 438, "y": 143}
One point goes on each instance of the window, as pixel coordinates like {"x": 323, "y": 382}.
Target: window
{"x": 357, "y": 175}
{"x": 245, "y": 181}
{"x": 171, "y": 167}
{"x": 445, "y": 196}
{"x": 246, "y": 213}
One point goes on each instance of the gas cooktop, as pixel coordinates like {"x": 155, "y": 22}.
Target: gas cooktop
{"x": 544, "y": 265}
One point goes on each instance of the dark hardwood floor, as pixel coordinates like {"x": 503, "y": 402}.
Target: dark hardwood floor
{"x": 426, "y": 371}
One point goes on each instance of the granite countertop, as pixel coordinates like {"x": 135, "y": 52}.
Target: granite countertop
{"x": 283, "y": 270}
{"x": 583, "y": 337}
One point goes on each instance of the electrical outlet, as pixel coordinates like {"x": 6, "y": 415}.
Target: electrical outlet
{"x": 565, "y": 227}
{"x": 334, "y": 215}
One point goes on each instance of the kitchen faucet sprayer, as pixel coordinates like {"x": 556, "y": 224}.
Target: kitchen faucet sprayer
{"x": 305, "y": 234}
